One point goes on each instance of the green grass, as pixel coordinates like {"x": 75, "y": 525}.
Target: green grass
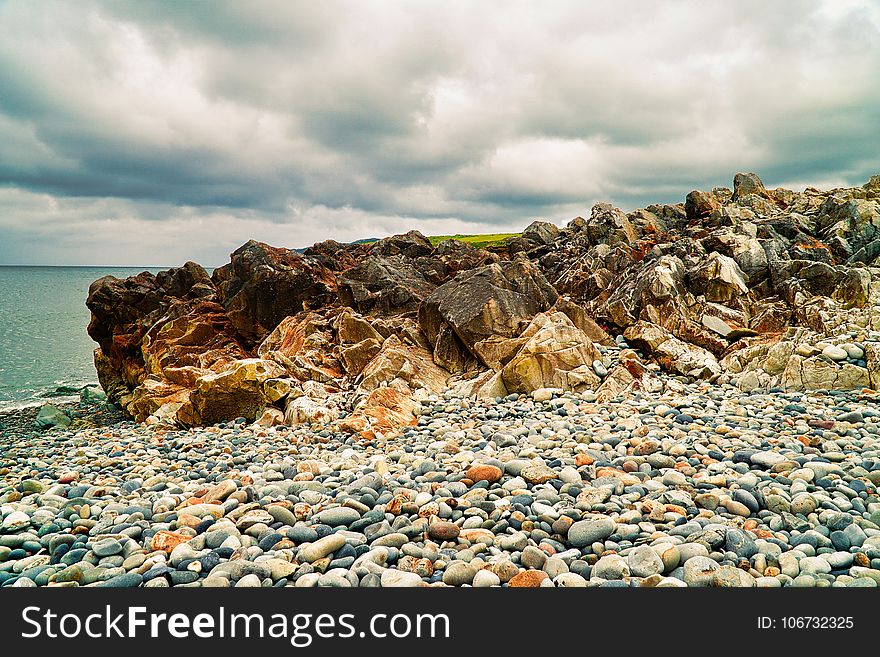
{"x": 478, "y": 241}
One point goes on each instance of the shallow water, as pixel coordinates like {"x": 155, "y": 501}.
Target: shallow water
{"x": 43, "y": 339}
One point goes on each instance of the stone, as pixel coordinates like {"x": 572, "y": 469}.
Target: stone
{"x": 643, "y": 561}
{"x": 50, "y": 416}
{"x": 443, "y": 531}
{"x": 486, "y": 578}
{"x": 699, "y": 571}
{"x": 320, "y": 548}
{"x": 554, "y": 354}
{"x": 528, "y": 579}
{"x": 611, "y": 567}
{"x": 459, "y": 573}
{"x": 482, "y": 472}
{"x": 338, "y": 516}
{"x": 587, "y": 532}
{"x": 494, "y": 300}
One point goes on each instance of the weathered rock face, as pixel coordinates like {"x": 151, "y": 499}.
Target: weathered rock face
{"x": 384, "y": 284}
{"x": 673, "y": 354}
{"x": 752, "y": 286}
{"x": 495, "y": 300}
{"x": 263, "y": 285}
{"x": 554, "y": 353}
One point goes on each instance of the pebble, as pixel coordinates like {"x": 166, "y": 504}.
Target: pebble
{"x": 676, "y": 488}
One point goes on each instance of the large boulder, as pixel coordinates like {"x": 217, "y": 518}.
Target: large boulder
{"x": 236, "y": 391}
{"x": 609, "y": 225}
{"x": 851, "y": 227}
{"x": 411, "y": 245}
{"x": 263, "y": 284}
{"x": 554, "y": 354}
{"x": 630, "y": 375}
{"x": 498, "y": 299}
{"x": 384, "y": 284}
{"x": 123, "y": 310}
{"x": 191, "y": 338}
{"x": 654, "y": 282}
{"x": 820, "y": 373}
{"x": 401, "y": 365}
{"x": 718, "y": 278}
{"x": 672, "y": 354}
{"x": 700, "y": 204}
{"x": 304, "y": 345}
{"x": 745, "y": 184}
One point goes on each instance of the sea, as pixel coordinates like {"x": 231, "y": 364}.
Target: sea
{"x": 45, "y": 352}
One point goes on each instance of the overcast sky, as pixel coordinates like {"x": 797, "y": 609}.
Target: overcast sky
{"x": 150, "y": 133}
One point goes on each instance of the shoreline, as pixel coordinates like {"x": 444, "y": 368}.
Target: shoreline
{"x": 708, "y": 486}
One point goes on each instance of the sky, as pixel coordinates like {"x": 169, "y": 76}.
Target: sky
{"x": 151, "y": 133}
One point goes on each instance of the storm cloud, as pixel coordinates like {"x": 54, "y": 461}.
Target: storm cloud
{"x": 152, "y": 133}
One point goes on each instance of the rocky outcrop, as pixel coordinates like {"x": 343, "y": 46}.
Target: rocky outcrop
{"x": 262, "y": 285}
{"x": 751, "y": 286}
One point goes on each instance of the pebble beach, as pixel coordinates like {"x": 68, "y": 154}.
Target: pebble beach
{"x": 701, "y": 486}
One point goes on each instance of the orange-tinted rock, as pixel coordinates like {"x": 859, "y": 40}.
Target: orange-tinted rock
{"x": 483, "y": 472}
{"x": 167, "y": 541}
{"x": 528, "y": 579}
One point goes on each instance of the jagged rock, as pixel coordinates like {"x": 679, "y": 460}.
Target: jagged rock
{"x": 700, "y": 204}
{"x": 654, "y": 282}
{"x": 497, "y": 299}
{"x": 745, "y": 184}
{"x": 356, "y": 357}
{"x": 352, "y": 328}
{"x": 304, "y": 410}
{"x": 854, "y": 289}
{"x": 237, "y": 391}
{"x": 190, "y": 339}
{"x": 384, "y": 410}
{"x": 817, "y": 373}
{"x": 337, "y": 256}
{"x": 851, "y": 227}
{"x": 630, "y": 375}
{"x": 457, "y": 256}
{"x": 554, "y": 354}
{"x": 384, "y": 284}
{"x": 412, "y": 245}
{"x": 541, "y": 233}
{"x": 671, "y": 353}
{"x": 450, "y": 352}
{"x": 399, "y": 365}
{"x": 304, "y": 345}
{"x": 124, "y": 310}
{"x": 718, "y": 278}
{"x": 740, "y": 284}
{"x": 262, "y": 285}
{"x": 580, "y": 318}
{"x": 746, "y": 251}
{"x": 608, "y": 225}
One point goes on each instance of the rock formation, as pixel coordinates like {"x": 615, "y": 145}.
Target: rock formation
{"x": 759, "y": 287}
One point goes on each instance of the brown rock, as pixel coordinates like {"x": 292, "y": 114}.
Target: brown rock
{"x": 483, "y": 472}
{"x": 167, "y": 541}
{"x": 443, "y": 531}
{"x": 528, "y": 579}
{"x": 262, "y": 285}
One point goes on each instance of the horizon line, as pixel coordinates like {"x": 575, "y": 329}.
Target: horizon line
{"x": 103, "y": 266}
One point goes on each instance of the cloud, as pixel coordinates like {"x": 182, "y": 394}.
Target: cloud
{"x": 153, "y": 133}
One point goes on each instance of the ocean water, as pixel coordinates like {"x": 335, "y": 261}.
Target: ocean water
{"x": 43, "y": 339}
